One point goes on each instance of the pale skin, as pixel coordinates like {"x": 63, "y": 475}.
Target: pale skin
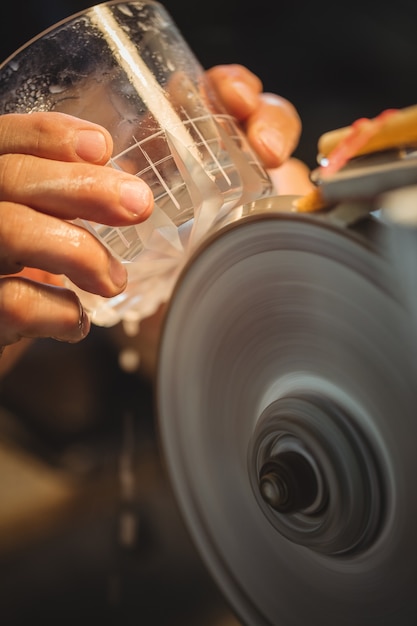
{"x": 51, "y": 171}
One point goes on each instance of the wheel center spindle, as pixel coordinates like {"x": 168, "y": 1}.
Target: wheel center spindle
{"x": 288, "y": 482}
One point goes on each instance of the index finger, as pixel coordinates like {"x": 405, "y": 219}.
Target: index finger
{"x": 55, "y": 136}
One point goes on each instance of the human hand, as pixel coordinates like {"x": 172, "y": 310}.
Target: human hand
{"x": 45, "y": 182}
{"x": 271, "y": 123}
{"x": 50, "y": 173}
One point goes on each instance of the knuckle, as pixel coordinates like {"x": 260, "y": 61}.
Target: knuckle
{"x": 47, "y": 127}
{"x": 8, "y": 125}
{"x": 12, "y": 229}
{"x": 11, "y": 170}
{"x": 36, "y": 133}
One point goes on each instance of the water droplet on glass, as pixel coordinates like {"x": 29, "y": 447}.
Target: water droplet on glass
{"x": 56, "y": 88}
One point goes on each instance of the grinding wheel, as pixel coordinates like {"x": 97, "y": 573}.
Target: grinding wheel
{"x": 286, "y": 410}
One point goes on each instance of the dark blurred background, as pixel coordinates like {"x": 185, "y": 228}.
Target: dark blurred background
{"x": 89, "y": 529}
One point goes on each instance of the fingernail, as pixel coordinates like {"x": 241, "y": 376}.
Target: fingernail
{"x": 91, "y": 145}
{"x": 136, "y": 197}
{"x": 83, "y": 327}
{"x": 272, "y": 141}
{"x": 246, "y": 94}
{"x": 117, "y": 273}
{"x": 84, "y": 324}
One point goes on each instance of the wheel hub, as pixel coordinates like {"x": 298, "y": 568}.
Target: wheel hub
{"x": 315, "y": 475}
